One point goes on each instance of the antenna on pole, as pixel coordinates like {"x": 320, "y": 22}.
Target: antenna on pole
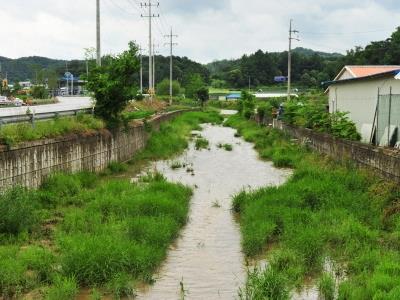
{"x": 291, "y": 38}
{"x": 150, "y": 5}
{"x": 171, "y": 44}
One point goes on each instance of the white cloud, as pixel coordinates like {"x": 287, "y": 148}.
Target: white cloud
{"x": 207, "y": 29}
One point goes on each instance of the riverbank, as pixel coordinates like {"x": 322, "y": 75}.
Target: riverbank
{"x": 328, "y": 214}
{"x": 96, "y": 232}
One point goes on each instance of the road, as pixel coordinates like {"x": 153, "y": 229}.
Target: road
{"x": 64, "y": 104}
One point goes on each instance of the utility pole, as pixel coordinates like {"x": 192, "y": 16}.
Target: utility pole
{"x": 98, "y": 37}
{"x": 291, "y": 38}
{"x": 171, "y": 44}
{"x": 141, "y": 70}
{"x": 249, "y": 84}
{"x": 150, "y": 5}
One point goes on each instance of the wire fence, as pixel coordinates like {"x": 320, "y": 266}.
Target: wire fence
{"x": 388, "y": 121}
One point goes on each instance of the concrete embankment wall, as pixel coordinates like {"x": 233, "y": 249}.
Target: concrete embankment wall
{"x": 385, "y": 162}
{"x": 29, "y": 163}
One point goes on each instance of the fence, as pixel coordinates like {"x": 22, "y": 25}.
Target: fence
{"x": 387, "y": 121}
{"x": 32, "y": 117}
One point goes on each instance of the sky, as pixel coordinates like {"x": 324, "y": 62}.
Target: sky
{"x": 207, "y": 30}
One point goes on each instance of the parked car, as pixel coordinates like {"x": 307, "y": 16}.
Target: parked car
{"x": 18, "y": 102}
{"x": 4, "y": 100}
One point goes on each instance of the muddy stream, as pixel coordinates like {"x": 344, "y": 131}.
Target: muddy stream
{"x": 206, "y": 261}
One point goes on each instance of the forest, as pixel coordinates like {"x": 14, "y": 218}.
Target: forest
{"x": 310, "y": 68}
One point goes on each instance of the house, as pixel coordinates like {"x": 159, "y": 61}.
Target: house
{"x": 371, "y": 96}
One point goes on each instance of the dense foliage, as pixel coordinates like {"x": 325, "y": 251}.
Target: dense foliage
{"x": 309, "y": 68}
{"x": 163, "y": 88}
{"x": 113, "y": 85}
{"x": 314, "y": 115}
{"x": 329, "y": 220}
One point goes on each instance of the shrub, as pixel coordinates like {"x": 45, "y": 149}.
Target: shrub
{"x": 18, "y": 211}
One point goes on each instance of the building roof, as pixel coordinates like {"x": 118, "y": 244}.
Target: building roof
{"x": 365, "y": 71}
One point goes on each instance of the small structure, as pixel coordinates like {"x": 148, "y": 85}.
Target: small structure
{"x": 280, "y": 79}
{"x": 371, "y": 96}
{"x": 233, "y": 96}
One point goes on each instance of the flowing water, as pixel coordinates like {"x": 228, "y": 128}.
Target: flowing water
{"x": 206, "y": 261}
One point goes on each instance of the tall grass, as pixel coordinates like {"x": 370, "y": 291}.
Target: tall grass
{"x": 326, "y": 209}
{"x": 16, "y": 133}
{"x": 105, "y": 234}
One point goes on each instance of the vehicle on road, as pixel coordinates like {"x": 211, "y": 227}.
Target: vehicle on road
{"x": 4, "y": 100}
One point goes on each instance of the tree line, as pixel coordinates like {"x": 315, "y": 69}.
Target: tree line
{"x": 309, "y": 68}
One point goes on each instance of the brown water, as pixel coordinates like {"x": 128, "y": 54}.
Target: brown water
{"x": 206, "y": 262}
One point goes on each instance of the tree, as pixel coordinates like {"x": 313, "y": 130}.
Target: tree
{"x": 113, "y": 85}
{"x": 17, "y": 88}
{"x": 202, "y": 95}
{"x": 163, "y": 88}
{"x": 39, "y": 92}
{"x": 195, "y": 83}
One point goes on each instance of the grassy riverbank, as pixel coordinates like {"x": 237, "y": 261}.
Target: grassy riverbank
{"x": 90, "y": 231}
{"x": 330, "y": 221}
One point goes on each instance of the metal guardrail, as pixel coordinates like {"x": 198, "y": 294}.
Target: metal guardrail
{"x": 32, "y": 117}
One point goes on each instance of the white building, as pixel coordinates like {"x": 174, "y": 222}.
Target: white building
{"x": 356, "y": 90}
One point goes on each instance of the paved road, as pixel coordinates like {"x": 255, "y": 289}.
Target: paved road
{"x": 64, "y": 104}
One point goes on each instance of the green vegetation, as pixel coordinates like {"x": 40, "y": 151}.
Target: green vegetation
{"x": 113, "y": 85}
{"x": 311, "y": 67}
{"x": 326, "y": 210}
{"x": 117, "y": 167}
{"x": 164, "y": 86}
{"x": 201, "y": 143}
{"x": 314, "y": 115}
{"x": 326, "y": 287}
{"x": 136, "y": 115}
{"x": 16, "y": 133}
{"x": 171, "y": 139}
{"x": 227, "y": 147}
{"x": 84, "y": 232}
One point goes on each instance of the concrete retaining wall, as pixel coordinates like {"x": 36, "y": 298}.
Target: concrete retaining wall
{"x": 29, "y": 163}
{"x": 385, "y": 162}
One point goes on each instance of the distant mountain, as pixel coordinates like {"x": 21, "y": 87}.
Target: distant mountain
{"x": 310, "y": 52}
{"x": 26, "y": 67}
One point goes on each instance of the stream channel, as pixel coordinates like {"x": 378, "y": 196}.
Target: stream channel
{"x": 206, "y": 261}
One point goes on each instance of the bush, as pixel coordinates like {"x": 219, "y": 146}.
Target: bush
{"x": 40, "y": 261}
{"x": 12, "y": 273}
{"x": 18, "y": 211}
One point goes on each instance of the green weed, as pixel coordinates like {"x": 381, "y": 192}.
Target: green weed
{"x": 326, "y": 209}
{"x": 326, "y": 287}
{"x": 64, "y": 288}
{"x": 201, "y": 143}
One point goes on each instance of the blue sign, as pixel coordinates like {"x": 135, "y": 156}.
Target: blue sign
{"x": 280, "y": 78}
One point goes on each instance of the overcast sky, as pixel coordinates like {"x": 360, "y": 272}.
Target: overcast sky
{"x": 207, "y": 29}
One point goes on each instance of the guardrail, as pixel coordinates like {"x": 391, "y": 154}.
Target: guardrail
{"x": 32, "y": 117}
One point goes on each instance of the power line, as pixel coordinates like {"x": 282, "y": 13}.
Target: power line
{"x": 344, "y": 33}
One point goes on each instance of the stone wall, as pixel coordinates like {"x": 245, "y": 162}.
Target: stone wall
{"x": 29, "y": 163}
{"x": 385, "y": 162}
